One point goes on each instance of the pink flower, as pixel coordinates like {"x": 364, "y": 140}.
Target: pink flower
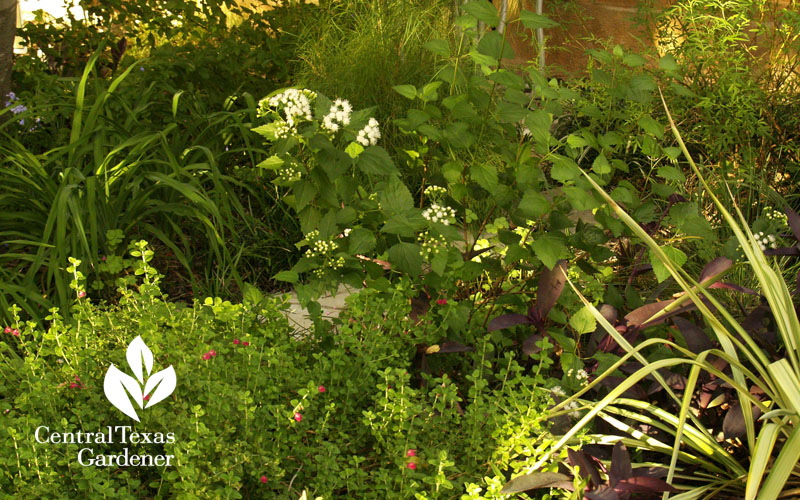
{"x": 236, "y": 341}
{"x": 103, "y": 258}
{"x": 15, "y": 332}
{"x": 8, "y": 329}
{"x": 245, "y": 343}
{"x": 442, "y": 302}
{"x": 73, "y": 385}
{"x": 264, "y": 479}
{"x": 411, "y": 465}
{"x": 321, "y": 388}
{"x": 411, "y": 453}
{"x": 77, "y": 378}
{"x": 81, "y": 294}
{"x": 212, "y": 352}
{"x": 146, "y": 398}
{"x": 298, "y": 417}
{"x": 206, "y": 356}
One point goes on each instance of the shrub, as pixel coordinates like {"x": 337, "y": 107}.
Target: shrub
{"x": 256, "y": 412}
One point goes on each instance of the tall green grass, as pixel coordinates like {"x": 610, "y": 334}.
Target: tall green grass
{"x": 118, "y": 170}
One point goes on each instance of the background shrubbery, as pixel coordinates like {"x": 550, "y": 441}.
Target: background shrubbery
{"x": 512, "y": 238}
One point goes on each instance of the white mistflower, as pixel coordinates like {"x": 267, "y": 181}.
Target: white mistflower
{"x": 369, "y": 135}
{"x": 435, "y": 191}
{"x": 439, "y": 213}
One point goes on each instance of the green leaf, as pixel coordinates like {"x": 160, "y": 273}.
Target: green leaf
{"x": 649, "y": 125}
{"x": 376, "y": 161}
{"x": 438, "y": 47}
{"x": 404, "y": 224}
{"x": 482, "y": 11}
{"x": 304, "y": 192}
{"x": 493, "y": 45}
{"x": 406, "y": 257}
{"x": 354, "y": 149}
{"x": 361, "y": 241}
{"x": 288, "y": 276}
{"x": 532, "y": 20}
{"x": 533, "y": 205}
{"x": 251, "y": 294}
{"x": 509, "y": 112}
{"x": 671, "y": 173}
{"x": 271, "y": 163}
{"x": 429, "y": 93}
{"x": 549, "y": 250}
{"x": 583, "y": 321}
{"x": 395, "y": 197}
{"x": 676, "y": 256}
{"x": 534, "y": 481}
{"x": 668, "y": 63}
{"x": 484, "y": 175}
{"x": 564, "y": 169}
{"x": 600, "y": 165}
{"x": 407, "y": 91}
{"x": 482, "y": 59}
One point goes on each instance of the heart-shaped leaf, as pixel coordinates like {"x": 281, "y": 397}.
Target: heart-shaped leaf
{"x": 508, "y": 320}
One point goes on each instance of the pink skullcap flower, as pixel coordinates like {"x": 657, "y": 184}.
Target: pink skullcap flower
{"x": 206, "y": 356}
{"x": 236, "y": 341}
{"x": 8, "y": 329}
{"x": 146, "y": 397}
{"x": 73, "y": 385}
{"x": 441, "y": 302}
{"x": 264, "y": 479}
{"x": 245, "y": 343}
{"x": 411, "y": 453}
{"x": 212, "y": 352}
{"x": 81, "y": 294}
{"x": 321, "y": 388}
{"x": 298, "y": 417}
{"x": 77, "y": 378}
{"x": 15, "y": 332}
{"x": 411, "y": 465}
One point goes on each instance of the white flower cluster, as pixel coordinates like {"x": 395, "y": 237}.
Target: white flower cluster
{"x": 431, "y": 245}
{"x": 573, "y": 405}
{"x": 339, "y": 114}
{"x": 774, "y": 215}
{"x": 321, "y": 248}
{"x": 295, "y": 103}
{"x": 580, "y": 375}
{"x": 289, "y": 174}
{"x": 369, "y": 135}
{"x": 345, "y": 233}
{"x": 765, "y": 240}
{"x": 435, "y": 192}
{"x": 283, "y": 130}
{"x": 439, "y": 213}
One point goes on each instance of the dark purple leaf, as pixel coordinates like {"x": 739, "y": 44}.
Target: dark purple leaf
{"x": 641, "y": 269}
{"x": 794, "y": 222}
{"x": 587, "y": 467}
{"x": 537, "y": 480}
{"x": 603, "y": 492}
{"x": 635, "y": 392}
{"x": 673, "y": 380}
{"x": 696, "y": 339}
{"x": 782, "y": 251}
{"x": 715, "y": 267}
{"x": 529, "y": 346}
{"x": 620, "y": 464}
{"x": 644, "y": 484}
{"x": 676, "y": 198}
{"x": 733, "y": 424}
{"x": 551, "y": 284}
{"x": 731, "y": 286}
{"x": 638, "y": 317}
{"x": 508, "y": 320}
{"x": 656, "y": 472}
{"x": 448, "y": 346}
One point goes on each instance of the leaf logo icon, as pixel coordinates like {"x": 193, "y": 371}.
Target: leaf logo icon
{"x": 122, "y": 390}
